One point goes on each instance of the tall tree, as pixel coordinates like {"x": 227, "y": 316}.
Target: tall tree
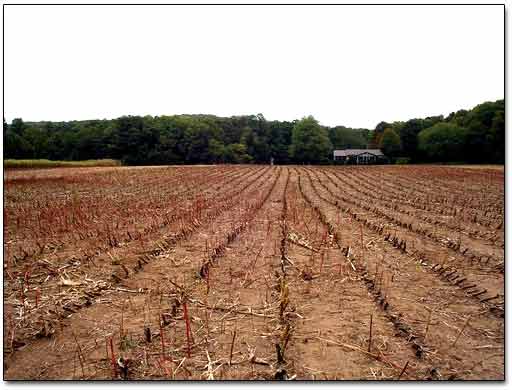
{"x": 390, "y": 143}
{"x": 216, "y": 150}
{"x": 486, "y": 132}
{"x": 345, "y": 138}
{"x": 310, "y": 142}
{"x": 18, "y": 126}
{"x": 443, "y": 142}
{"x": 377, "y": 134}
{"x": 409, "y": 136}
{"x": 280, "y": 134}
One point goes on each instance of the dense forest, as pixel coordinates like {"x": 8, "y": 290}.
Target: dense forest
{"x": 473, "y": 136}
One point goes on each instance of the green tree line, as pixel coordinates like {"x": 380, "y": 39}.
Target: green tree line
{"x": 473, "y": 136}
{"x": 476, "y": 135}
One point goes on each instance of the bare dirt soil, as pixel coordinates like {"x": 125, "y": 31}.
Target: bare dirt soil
{"x": 254, "y": 272}
{"x": 490, "y": 166}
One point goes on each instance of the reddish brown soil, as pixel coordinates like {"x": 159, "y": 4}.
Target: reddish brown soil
{"x": 281, "y": 271}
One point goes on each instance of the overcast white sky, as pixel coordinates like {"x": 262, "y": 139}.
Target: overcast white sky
{"x": 345, "y": 65}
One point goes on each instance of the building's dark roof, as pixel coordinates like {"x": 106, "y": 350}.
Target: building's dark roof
{"x": 357, "y": 152}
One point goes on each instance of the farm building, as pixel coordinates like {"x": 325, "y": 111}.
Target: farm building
{"x": 359, "y": 156}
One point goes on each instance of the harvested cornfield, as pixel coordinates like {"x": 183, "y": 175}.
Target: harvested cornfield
{"x": 254, "y": 272}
